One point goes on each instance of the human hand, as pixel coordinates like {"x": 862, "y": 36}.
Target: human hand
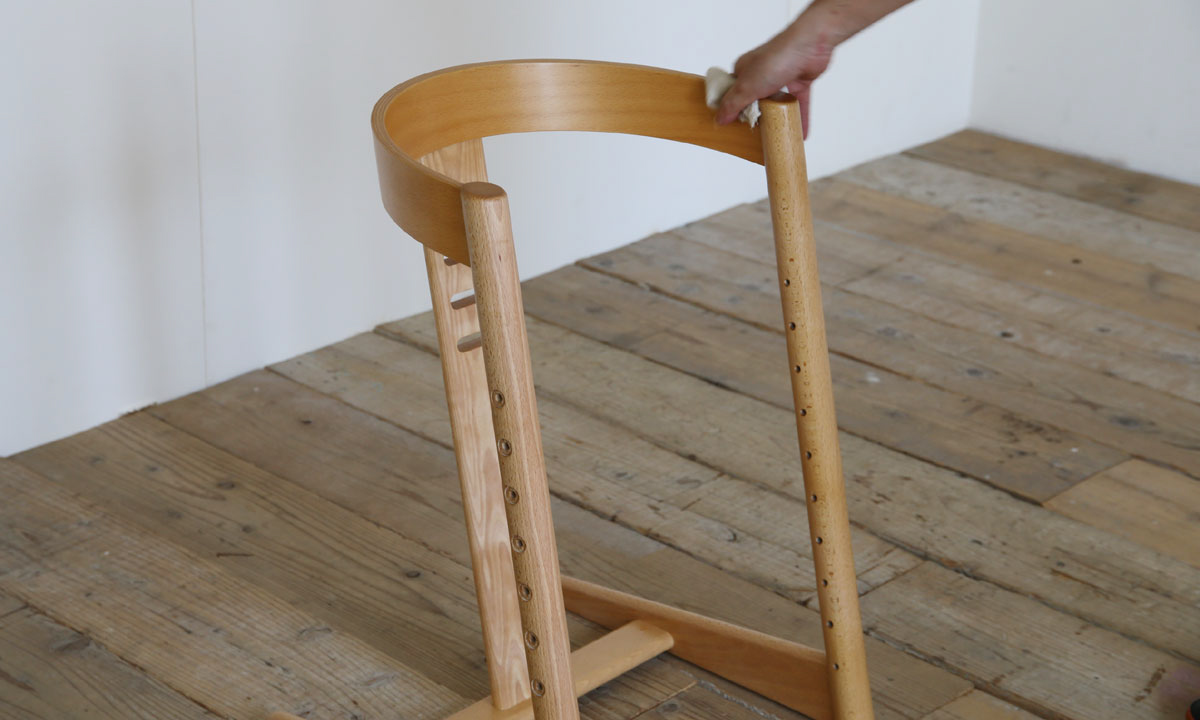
{"x": 792, "y": 59}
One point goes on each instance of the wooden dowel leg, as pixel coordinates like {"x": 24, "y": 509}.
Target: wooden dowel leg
{"x": 812, "y": 390}
{"x": 475, "y": 452}
{"x": 519, "y": 442}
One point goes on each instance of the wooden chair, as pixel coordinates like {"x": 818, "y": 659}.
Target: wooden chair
{"x": 434, "y": 184}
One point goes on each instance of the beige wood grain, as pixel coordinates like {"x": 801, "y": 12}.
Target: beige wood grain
{"x": 978, "y": 705}
{"x": 590, "y": 547}
{"x": 473, "y": 101}
{"x": 1148, "y": 504}
{"x": 519, "y": 440}
{"x": 1107, "y": 342}
{"x": 1050, "y": 663}
{"x": 922, "y": 508}
{"x": 1156, "y": 295}
{"x": 1019, "y": 454}
{"x": 592, "y": 665}
{"x": 1133, "y": 192}
{"x": 1109, "y": 410}
{"x": 1057, "y": 325}
{"x": 51, "y": 672}
{"x": 1037, "y": 212}
{"x": 158, "y": 606}
{"x": 803, "y": 326}
{"x": 403, "y": 597}
{"x": 475, "y": 450}
{"x": 789, "y": 673}
{"x": 397, "y": 595}
{"x": 595, "y": 463}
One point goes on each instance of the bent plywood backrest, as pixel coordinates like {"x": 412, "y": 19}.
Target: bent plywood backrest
{"x": 447, "y": 107}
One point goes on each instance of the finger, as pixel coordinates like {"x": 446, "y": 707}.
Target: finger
{"x": 734, "y": 101}
{"x": 803, "y": 97}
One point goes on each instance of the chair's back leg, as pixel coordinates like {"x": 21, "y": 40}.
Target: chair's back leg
{"x": 816, "y": 424}
{"x": 519, "y": 442}
{"x": 475, "y": 450}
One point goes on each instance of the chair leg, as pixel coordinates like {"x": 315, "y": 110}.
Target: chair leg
{"x": 519, "y": 442}
{"x": 475, "y": 452}
{"x": 816, "y": 424}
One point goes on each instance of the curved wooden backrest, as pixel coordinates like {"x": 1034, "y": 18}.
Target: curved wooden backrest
{"x": 467, "y": 102}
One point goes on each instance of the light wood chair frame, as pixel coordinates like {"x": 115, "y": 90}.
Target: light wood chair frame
{"x": 434, "y": 184}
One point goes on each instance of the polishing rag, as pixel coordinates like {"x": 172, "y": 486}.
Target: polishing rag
{"x": 716, "y": 83}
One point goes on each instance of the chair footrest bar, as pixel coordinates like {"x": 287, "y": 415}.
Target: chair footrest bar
{"x": 789, "y": 673}
{"x": 592, "y": 665}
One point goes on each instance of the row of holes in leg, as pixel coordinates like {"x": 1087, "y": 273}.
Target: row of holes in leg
{"x": 524, "y": 592}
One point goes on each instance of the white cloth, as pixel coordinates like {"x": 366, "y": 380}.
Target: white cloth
{"x": 716, "y": 83}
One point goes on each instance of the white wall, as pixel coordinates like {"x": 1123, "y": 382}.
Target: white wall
{"x": 1116, "y": 80}
{"x": 100, "y": 275}
{"x": 170, "y": 221}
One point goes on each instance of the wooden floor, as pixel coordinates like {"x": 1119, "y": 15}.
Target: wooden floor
{"x": 1016, "y": 339}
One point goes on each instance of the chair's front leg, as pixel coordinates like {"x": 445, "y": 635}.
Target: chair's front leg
{"x": 816, "y": 424}
{"x": 519, "y": 441}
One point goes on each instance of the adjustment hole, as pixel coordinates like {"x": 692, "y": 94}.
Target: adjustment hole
{"x": 828, "y": 623}
{"x": 505, "y": 447}
{"x": 511, "y": 495}
{"x": 538, "y": 687}
{"x": 531, "y": 640}
{"x": 824, "y": 583}
{"x": 525, "y": 593}
{"x": 791, "y": 326}
{"x": 803, "y": 412}
{"x": 799, "y": 369}
{"x": 837, "y": 667}
{"x": 814, "y": 497}
{"x": 497, "y": 398}
{"x": 786, "y": 282}
{"x": 820, "y": 540}
{"x": 808, "y": 454}
{"x": 518, "y": 543}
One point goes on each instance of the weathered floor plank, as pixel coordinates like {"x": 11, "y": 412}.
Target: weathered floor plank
{"x": 1024, "y": 652}
{"x": 1109, "y": 410}
{"x": 973, "y": 437}
{"x": 925, "y": 509}
{"x": 599, "y": 550}
{"x": 400, "y": 597}
{"x": 1149, "y": 196}
{"x": 978, "y": 705}
{"x": 1037, "y": 212}
{"x": 191, "y": 623}
{"x": 591, "y": 462}
{"x": 1145, "y": 503}
{"x": 51, "y": 672}
{"x": 1155, "y": 295}
{"x": 1056, "y": 325}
